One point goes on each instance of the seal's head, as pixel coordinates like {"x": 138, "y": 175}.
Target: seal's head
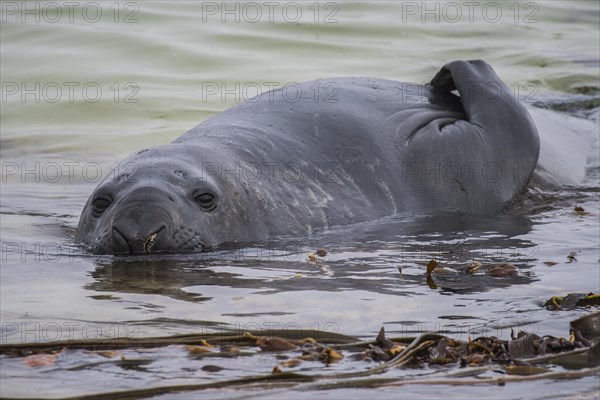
{"x": 162, "y": 200}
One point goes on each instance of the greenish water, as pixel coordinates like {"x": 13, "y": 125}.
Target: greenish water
{"x": 79, "y": 95}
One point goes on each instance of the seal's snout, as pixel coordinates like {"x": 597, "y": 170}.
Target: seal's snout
{"x": 125, "y": 241}
{"x": 141, "y": 229}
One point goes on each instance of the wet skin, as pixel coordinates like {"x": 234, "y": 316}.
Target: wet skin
{"x": 324, "y": 153}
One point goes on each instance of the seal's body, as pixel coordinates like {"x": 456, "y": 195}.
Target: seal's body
{"x": 329, "y": 152}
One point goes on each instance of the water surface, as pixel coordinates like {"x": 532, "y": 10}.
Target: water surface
{"x": 152, "y": 67}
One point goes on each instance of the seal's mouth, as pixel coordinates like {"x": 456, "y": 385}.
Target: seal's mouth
{"x": 150, "y": 241}
{"x": 207, "y": 248}
{"x": 139, "y": 246}
{"x": 155, "y": 244}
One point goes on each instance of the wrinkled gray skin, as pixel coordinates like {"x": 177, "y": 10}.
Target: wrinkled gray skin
{"x": 348, "y": 150}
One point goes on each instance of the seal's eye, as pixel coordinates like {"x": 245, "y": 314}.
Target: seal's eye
{"x": 206, "y": 201}
{"x": 99, "y": 205}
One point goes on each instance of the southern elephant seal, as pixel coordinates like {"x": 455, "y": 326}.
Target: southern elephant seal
{"x": 338, "y": 151}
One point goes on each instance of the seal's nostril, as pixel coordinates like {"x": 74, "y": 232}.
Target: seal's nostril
{"x": 122, "y": 238}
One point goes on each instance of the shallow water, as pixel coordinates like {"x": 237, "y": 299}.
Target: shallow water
{"x": 156, "y": 67}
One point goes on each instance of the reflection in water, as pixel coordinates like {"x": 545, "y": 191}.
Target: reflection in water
{"x": 163, "y": 277}
{"x": 381, "y": 257}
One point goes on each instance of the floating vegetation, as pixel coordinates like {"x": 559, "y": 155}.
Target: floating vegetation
{"x": 438, "y": 271}
{"x": 317, "y": 255}
{"x": 38, "y": 360}
{"x": 480, "y": 360}
{"x": 550, "y": 263}
{"x": 434, "y": 267}
{"x": 587, "y": 326}
{"x": 572, "y": 300}
{"x": 503, "y": 270}
{"x": 580, "y": 210}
